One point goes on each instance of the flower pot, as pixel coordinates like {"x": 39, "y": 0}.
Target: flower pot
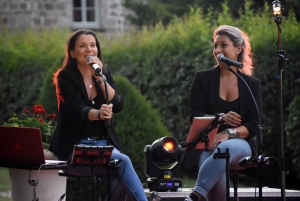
{"x": 49, "y": 188}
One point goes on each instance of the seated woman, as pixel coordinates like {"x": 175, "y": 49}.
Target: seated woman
{"x": 218, "y": 90}
{"x": 83, "y": 110}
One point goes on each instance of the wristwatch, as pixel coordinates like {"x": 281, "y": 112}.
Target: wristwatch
{"x": 232, "y": 133}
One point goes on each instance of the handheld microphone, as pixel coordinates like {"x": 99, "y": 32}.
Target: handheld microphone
{"x": 96, "y": 67}
{"x": 229, "y": 62}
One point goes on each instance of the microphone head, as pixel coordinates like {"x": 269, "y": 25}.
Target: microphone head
{"x": 219, "y": 57}
{"x": 88, "y": 58}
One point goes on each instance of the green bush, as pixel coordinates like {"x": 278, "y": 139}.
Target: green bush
{"x": 26, "y": 56}
{"x": 292, "y": 129}
{"x": 137, "y": 125}
{"x": 47, "y": 95}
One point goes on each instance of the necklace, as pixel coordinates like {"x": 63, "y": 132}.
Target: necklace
{"x": 91, "y": 86}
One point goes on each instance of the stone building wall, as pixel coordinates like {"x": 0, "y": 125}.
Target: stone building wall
{"x": 36, "y": 14}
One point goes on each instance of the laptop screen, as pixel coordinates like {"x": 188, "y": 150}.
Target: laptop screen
{"x": 21, "y": 147}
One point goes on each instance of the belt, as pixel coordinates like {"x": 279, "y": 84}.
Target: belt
{"x": 96, "y": 138}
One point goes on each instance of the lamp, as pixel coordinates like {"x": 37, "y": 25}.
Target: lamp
{"x": 276, "y": 7}
{"x": 161, "y": 164}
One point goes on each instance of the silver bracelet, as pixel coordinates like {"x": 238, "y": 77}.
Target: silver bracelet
{"x": 103, "y": 78}
{"x": 232, "y": 133}
{"x": 98, "y": 115}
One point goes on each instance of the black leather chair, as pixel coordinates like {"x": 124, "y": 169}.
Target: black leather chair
{"x": 254, "y": 166}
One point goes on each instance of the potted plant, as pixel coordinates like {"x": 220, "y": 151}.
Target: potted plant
{"x": 38, "y": 119}
{"x": 50, "y": 186}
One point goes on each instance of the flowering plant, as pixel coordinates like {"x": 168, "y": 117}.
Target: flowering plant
{"x": 40, "y": 119}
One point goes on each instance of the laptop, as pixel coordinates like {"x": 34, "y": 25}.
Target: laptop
{"x": 22, "y": 147}
{"x": 199, "y": 125}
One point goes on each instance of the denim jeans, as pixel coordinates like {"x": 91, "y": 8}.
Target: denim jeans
{"x": 211, "y": 181}
{"x": 129, "y": 186}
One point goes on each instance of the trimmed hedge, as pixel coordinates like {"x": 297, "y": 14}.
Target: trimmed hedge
{"x": 137, "y": 125}
{"x": 26, "y": 56}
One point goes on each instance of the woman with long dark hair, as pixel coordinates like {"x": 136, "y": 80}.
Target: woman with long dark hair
{"x": 84, "y": 104}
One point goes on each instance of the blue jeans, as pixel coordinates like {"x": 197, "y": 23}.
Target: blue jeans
{"x": 130, "y": 185}
{"x": 211, "y": 181}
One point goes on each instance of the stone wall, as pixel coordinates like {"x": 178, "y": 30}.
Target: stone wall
{"x": 36, "y": 14}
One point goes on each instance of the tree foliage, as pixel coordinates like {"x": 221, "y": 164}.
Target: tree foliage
{"x": 154, "y": 11}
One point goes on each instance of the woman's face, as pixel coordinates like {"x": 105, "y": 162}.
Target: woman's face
{"x": 223, "y": 45}
{"x": 85, "y": 46}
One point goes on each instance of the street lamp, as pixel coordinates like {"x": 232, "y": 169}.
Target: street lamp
{"x": 276, "y": 7}
{"x": 161, "y": 164}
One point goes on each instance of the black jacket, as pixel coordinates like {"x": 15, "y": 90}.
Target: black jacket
{"x": 204, "y": 97}
{"x": 73, "y": 111}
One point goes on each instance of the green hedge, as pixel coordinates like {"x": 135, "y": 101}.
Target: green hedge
{"x": 137, "y": 125}
{"x": 292, "y": 129}
{"x": 26, "y": 56}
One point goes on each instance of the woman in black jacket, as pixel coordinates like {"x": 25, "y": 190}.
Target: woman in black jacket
{"x": 218, "y": 90}
{"x": 84, "y": 104}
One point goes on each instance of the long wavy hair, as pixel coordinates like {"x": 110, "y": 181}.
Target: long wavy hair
{"x": 70, "y": 62}
{"x": 238, "y": 37}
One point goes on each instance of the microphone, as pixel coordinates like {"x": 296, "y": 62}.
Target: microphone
{"x": 229, "y": 62}
{"x": 96, "y": 67}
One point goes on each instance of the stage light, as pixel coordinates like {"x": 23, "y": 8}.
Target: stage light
{"x": 276, "y": 7}
{"x": 161, "y": 164}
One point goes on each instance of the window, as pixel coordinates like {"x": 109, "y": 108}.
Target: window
{"x": 85, "y": 14}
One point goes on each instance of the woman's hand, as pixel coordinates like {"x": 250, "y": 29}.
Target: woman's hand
{"x": 106, "y": 111}
{"x": 220, "y": 137}
{"x": 232, "y": 119}
{"x": 95, "y": 60}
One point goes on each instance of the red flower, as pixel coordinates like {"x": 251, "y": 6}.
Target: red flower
{"x": 38, "y": 109}
{"x": 51, "y": 117}
{"x": 41, "y": 120}
{"x": 25, "y": 110}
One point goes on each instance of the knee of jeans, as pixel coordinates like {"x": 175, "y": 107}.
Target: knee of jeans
{"x": 230, "y": 144}
{"x": 124, "y": 158}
